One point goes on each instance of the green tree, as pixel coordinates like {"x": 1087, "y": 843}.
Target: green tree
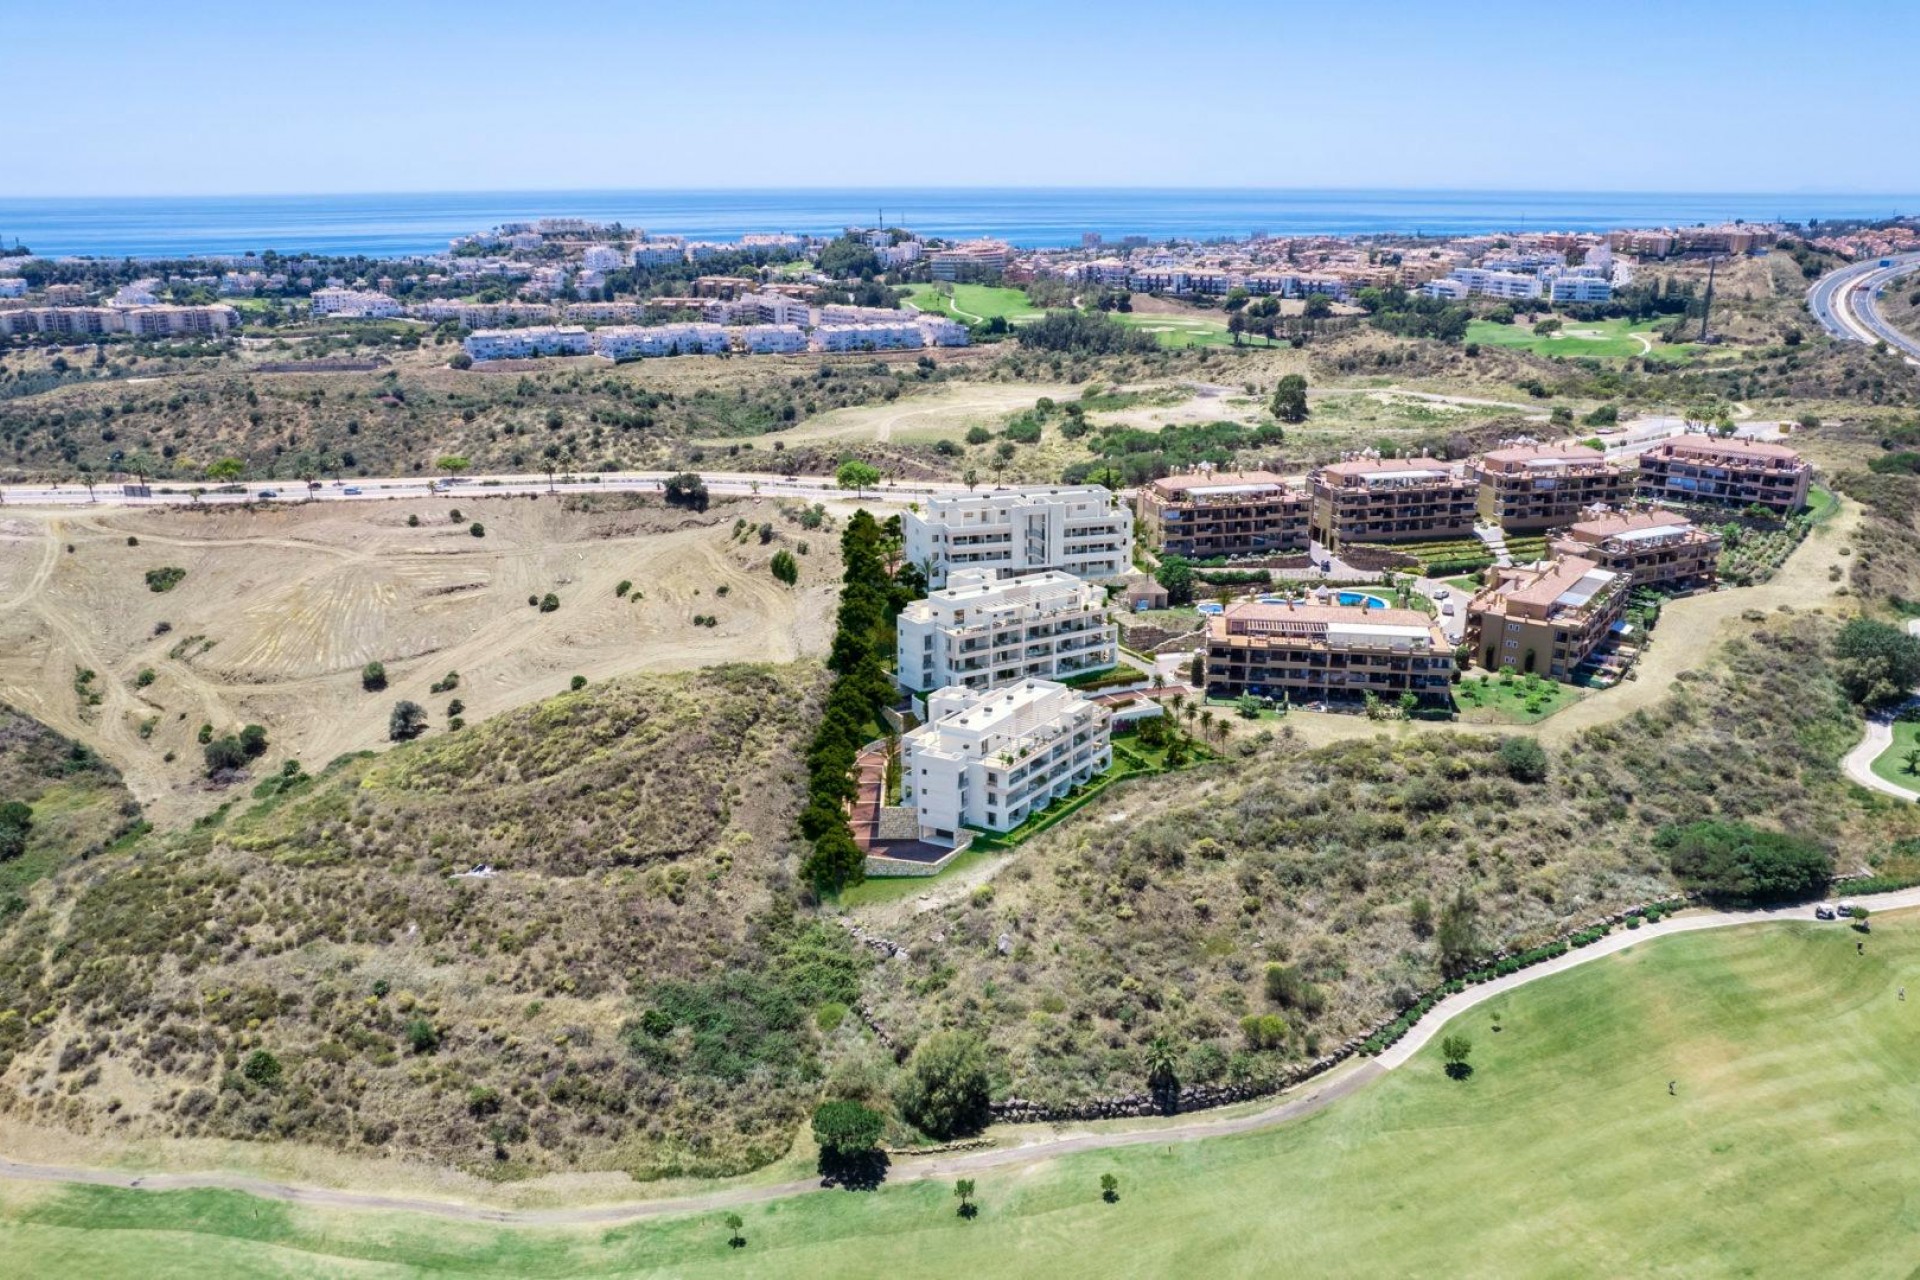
{"x": 407, "y": 722}
{"x": 226, "y": 470}
{"x": 857, "y": 475}
{"x": 16, "y": 822}
{"x": 1732, "y": 860}
{"x": 1176, "y": 575}
{"x": 945, "y": 1091}
{"x": 1163, "y": 1061}
{"x": 1289, "y": 403}
{"x": 453, "y": 464}
{"x": 963, "y": 1191}
{"x": 1911, "y": 759}
{"x": 844, "y": 1128}
{"x": 1318, "y": 306}
{"x": 1109, "y": 1188}
{"x": 1456, "y": 1049}
{"x": 1876, "y": 663}
{"x": 262, "y": 1068}
{"x": 684, "y": 490}
{"x": 1524, "y": 759}
{"x": 373, "y": 677}
{"x": 734, "y": 1224}
{"x": 784, "y": 567}
{"x": 1458, "y": 937}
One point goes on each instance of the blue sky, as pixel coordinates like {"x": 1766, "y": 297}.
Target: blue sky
{"x": 193, "y": 96}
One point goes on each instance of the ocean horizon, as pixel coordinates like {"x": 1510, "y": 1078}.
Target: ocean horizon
{"x": 403, "y": 224}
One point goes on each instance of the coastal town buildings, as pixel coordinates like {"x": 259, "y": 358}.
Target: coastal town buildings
{"x": 1659, "y": 548}
{"x": 1727, "y": 473}
{"x": 1207, "y": 514}
{"x": 1368, "y": 499}
{"x": 1305, "y": 652}
{"x": 1528, "y": 487}
{"x": 1545, "y": 618}
{"x": 982, "y": 631}
{"x": 1078, "y": 529}
{"x": 991, "y": 758}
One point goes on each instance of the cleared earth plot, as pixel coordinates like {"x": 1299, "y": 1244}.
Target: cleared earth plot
{"x": 941, "y": 415}
{"x": 1561, "y": 1154}
{"x": 278, "y": 612}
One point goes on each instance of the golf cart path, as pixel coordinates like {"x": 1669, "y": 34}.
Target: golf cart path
{"x": 1859, "y": 761}
{"x": 1312, "y": 1097}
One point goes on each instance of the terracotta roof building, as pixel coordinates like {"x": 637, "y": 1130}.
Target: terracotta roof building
{"x": 1547, "y": 617}
{"x": 1727, "y": 473}
{"x": 1390, "y": 500}
{"x": 1659, "y": 548}
{"x": 1537, "y": 486}
{"x": 1223, "y": 514}
{"x": 1314, "y": 652}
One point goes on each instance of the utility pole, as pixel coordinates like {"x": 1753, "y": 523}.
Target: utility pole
{"x": 1706, "y": 307}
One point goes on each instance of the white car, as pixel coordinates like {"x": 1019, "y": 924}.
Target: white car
{"x": 1443, "y": 593}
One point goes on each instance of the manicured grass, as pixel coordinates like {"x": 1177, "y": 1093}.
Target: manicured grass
{"x": 1179, "y": 330}
{"x": 1785, "y": 1150}
{"x": 1600, "y": 339}
{"x": 1490, "y": 701}
{"x": 1466, "y": 583}
{"x": 974, "y": 302}
{"x": 878, "y": 889}
{"x": 1891, "y": 763}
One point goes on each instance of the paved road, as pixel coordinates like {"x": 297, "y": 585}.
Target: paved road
{"x": 1843, "y": 302}
{"x": 1314, "y": 1096}
{"x": 1879, "y": 736}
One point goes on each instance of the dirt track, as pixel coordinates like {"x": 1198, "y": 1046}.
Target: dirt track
{"x": 289, "y": 604}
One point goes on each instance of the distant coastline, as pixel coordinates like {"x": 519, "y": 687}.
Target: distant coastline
{"x": 404, "y": 224}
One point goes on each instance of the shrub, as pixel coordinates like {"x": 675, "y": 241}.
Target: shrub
{"x": 223, "y": 754}
{"x": 164, "y": 579}
{"x": 844, "y": 1128}
{"x": 1264, "y": 1030}
{"x": 686, "y": 490}
{"x": 945, "y": 1092}
{"x": 1287, "y": 988}
{"x": 1735, "y": 861}
{"x": 16, "y": 820}
{"x": 625, "y": 585}
{"x": 477, "y": 529}
{"x": 262, "y": 1068}
{"x": 146, "y": 677}
{"x": 978, "y": 435}
{"x": 1524, "y": 759}
{"x": 785, "y": 568}
{"x": 422, "y": 1036}
{"x": 407, "y": 722}
{"x": 253, "y": 741}
{"x": 577, "y": 683}
{"x": 549, "y": 602}
{"x": 445, "y": 684}
{"x": 373, "y": 677}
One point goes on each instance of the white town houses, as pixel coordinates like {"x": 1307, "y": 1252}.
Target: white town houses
{"x": 1078, "y": 529}
{"x": 982, "y": 632}
{"x": 989, "y": 759}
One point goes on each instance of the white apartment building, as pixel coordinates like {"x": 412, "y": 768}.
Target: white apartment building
{"x": 171, "y": 321}
{"x": 1078, "y": 529}
{"x": 846, "y": 313}
{"x": 353, "y": 304}
{"x": 1572, "y": 288}
{"x": 143, "y": 322}
{"x": 1445, "y": 288}
{"x": 1498, "y": 284}
{"x": 602, "y": 257}
{"x": 1529, "y": 262}
{"x": 659, "y": 253}
{"x": 522, "y": 344}
{"x": 631, "y": 342}
{"x": 942, "y": 331}
{"x": 138, "y": 294}
{"x": 981, "y": 631}
{"x": 989, "y": 759}
{"x": 759, "y": 308}
{"x": 895, "y": 336}
{"x": 773, "y": 339}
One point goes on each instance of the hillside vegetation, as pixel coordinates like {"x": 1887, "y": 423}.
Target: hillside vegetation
{"x": 76, "y": 805}
{"x": 1230, "y": 923}
{"x": 630, "y": 990}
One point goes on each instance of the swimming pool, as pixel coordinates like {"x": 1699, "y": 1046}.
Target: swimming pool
{"x": 1363, "y": 597}
{"x": 1210, "y": 608}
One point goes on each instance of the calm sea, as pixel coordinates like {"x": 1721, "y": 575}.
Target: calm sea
{"x": 390, "y": 225}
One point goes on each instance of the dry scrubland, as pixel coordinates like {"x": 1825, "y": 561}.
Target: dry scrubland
{"x": 281, "y": 608}
{"x": 309, "y": 970}
{"x": 80, "y": 806}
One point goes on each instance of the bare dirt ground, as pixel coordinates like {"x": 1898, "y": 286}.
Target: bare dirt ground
{"x": 280, "y": 609}
{"x": 945, "y": 414}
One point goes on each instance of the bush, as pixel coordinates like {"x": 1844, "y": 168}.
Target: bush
{"x": 844, "y": 1128}
{"x": 16, "y": 820}
{"x": 408, "y": 721}
{"x": 262, "y": 1068}
{"x": 253, "y": 741}
{"x": 373, "y": 677}
{"x": 422, "y": 1036}
{"x": 686, "y": 490}
{"x": 1287, "y": 988}
{"x": 1264, "y": 1030}
{"x": 577, "y": 683}
{"x": 224, "y": 754}
{"x": 625, "y": 585}
{"x": 1524, "y": 759}
{"x": 165, "y": 579}
{"x": 785, "y": 568}
{"x": 1876, "y": 663}
{"x": 945, "y": 1092}
{"x": 549, "y": 602}
{"x": 477, "y": 529}
{"x": 1732, "y": 860}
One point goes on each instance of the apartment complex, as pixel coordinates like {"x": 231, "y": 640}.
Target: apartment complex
{"x": 1538, "y": 486}
{"x": 352, "y": 304}
{"x": 1077, "y": 529}
{"x": 1728, "y": 473}
{"x": 1389, "y": 500}
{"x": 158, "y": 321}
{"x": 990, "y": 758}
{"x": 1330, "y": 652}
{"x": 631, "y": 342}
{"x": 976, "y": 260}
{"x": 1221, "y": 514}
{"x": 982, "y": 631}
{"x": 1659, "y": 548}
{"x": 521, "y": 344}
{"x": 1547, "y": 617}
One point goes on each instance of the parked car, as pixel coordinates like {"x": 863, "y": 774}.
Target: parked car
{"x": 1446, "y": 608}
{"x": 1823, "y": 912}
{"x": 1443, "y": 593}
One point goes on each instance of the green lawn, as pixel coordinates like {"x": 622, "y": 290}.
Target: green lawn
{"x": 1490, "y": 701}
{"x": 1891, "y": 763}
{"x": 1601, "y": 339}
{"x": 974, "y": 302}
{"x": 1180, "y": 330}
{"x": 1786, "y": 1150}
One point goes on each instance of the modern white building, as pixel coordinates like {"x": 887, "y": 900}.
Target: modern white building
{"x": 1572, "y": 288}
{"x": 758, "y": 308}
{"x": 1498, "y": 284}
{"x": 895, "y": 336}
{"x": 773, "y": 339}
{"x": 631, "y": 342}
{"x": 1445, "y": 288}
{"x": 1078, "y": 529}
{"x": 981, "y": 631}
{"x": 942, "y": 331}
{"x": 353, "y": 304}
{"x": 602, "y": 257}
{"x": 990, "y": 759}
{"x": 654, "y": 253}
{"x": 521, "y": 344}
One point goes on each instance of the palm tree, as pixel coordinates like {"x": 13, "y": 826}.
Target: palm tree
{"x": 1163, "y": 1061}
{"x": 1206, "y": 721}
{"x": 1912, "y": 759}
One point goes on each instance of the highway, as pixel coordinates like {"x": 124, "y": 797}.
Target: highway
{"x": 729, "y": 483}
{"x": 1843, "y": 302}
